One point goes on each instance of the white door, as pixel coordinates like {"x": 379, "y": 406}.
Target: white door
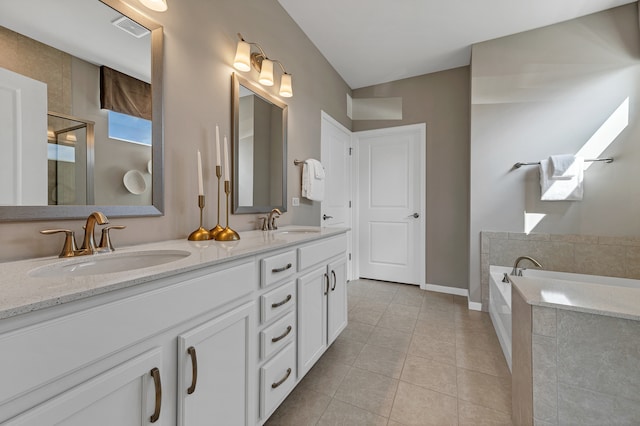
{"x": 391, "y": 194}
{"x": 23, "y": 137}
{"x": 336, "y": 159}
{"x": 216, "y": 371}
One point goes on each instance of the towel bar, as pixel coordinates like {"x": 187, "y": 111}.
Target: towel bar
{"x": 606, "y": 160}
{"x": 297, "y": 162}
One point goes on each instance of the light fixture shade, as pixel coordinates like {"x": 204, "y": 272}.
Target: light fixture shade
{"x": 242, "y": 62}
{"x": 157, "y": 5}
{"x": 266, "y": 73}
{"x": 286, "y": 90}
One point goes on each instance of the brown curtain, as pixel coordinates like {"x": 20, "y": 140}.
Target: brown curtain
{"x": 122, "y": 93}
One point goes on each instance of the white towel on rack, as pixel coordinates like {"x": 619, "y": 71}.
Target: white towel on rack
{"x": 551, "y": 189}
{"x": 313, "y": 180}
{"x": 564, "y": 166}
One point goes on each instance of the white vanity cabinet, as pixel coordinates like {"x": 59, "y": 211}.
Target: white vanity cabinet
{"x": 322, "y": 298}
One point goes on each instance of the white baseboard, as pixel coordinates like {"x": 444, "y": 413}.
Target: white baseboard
{"x": 474, "y": 306}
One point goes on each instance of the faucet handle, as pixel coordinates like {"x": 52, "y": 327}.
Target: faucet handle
{"x": 105, "y": 239}
{"x": 69, "y": 248}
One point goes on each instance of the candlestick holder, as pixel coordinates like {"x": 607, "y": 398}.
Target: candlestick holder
{"x": 200, "y": 234}
{"x": 217, "y": 229}
{"x": 227, "y": 234}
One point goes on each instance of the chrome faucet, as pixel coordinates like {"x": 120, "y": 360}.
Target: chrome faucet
{"x": 271, "y": 220}
{"x": 518, "y": 272}
{"x": 89, "y": 242}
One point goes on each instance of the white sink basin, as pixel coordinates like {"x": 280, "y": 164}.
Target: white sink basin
{"x": 109, "y": 262}
{"x": 298, "y": 231}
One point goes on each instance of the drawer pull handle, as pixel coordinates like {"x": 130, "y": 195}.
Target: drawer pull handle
{"x": 284, "y": 379}
{"x": 326, "y": 280}
{"x": 335, "y": 280}
{"x": 284, "y": 268}
{"x": 277, "y": 305}
{"x": 282, "y": 336}
{"x": 155, "y": 373}
{"x": 194, "y": 368}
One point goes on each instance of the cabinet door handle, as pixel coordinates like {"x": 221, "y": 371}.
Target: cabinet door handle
{"x": 282, "y": 269}
{"x": 282, "y": 336}
{"x": 284, "y": 379}
{"x": 277, "y": 305}
{"x": 335, "y": 280}
{"x": 155, "y": 373}
{"x": 194, "y": 369}
{"x": 326, "y": 280}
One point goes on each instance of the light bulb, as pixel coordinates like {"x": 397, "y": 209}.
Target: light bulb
{"x": 266, "y": 73}
{"x": 286, "y": 90}
{"x": 243, "y": 53}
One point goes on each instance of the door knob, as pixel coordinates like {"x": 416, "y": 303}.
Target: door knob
{"x": 325, "y": 217}
{"x": 415, "y": 215}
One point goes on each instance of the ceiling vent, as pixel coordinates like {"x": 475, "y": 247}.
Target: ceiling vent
{"x": 131, "y": 27}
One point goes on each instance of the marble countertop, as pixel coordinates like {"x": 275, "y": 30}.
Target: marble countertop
{"x": 21, "y": 292}
{"x": 600, "y": 299}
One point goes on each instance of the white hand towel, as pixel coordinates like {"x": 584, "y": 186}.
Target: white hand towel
{"x": 563, "y": 166}
{"x": 560, "y": 189}
{"x": 312, "y": 187}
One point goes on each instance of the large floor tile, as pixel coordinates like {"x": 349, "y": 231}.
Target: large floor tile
{"x": 364, "y": 315}
{"x": 357, "y": 331}
{"x": 443, "y": 332}
{"x": 385, "y": 361}
{"x": 474, "y": 415}
{"x": 437, "y": 317}
{"x": 339, "y": 413}
{"x": 370, "y": 391}
{"x": 485, "y": 390}
{"x": 302, "y": 407}
{"x": 472, "y": 341}
{"x": 344, "y": 351}
{"x": 388, "y": 338}
{"x": 403, "y": 310}
{"x": 432, "y": 375}
{"x": 438, "y": 301}
{"x": 414, "y": 405}
{"x": 436, "y": 350}
{"x": 404, "y": 323}
{"x": 490, "y": 362}
{"x": 325, "y": 377}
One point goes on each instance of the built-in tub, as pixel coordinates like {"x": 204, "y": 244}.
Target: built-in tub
{"x": 500, "y": 296}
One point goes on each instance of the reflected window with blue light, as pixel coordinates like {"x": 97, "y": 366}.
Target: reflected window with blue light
{"x": 129, "y": 128}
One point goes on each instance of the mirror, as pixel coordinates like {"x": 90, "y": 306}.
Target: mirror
{"x": 66, "y": 155}
{"x": 259, "y": 134}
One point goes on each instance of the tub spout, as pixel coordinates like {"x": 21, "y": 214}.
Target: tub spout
{"x": 517, "y": 271}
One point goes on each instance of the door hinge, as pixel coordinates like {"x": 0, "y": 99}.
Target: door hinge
{"x": 350, "y": 151}
{"x": 349, "y": 203}
{"x": 349, "y": 256}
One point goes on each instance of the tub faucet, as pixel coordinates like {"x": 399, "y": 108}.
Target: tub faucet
{"x": 518, "y": 271}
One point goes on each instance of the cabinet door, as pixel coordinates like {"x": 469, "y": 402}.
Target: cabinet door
{"x": 312, "y": 318}
{"x": 337, "y": 301}
{"x": 216, "y": 370}
{"x": 124, "y": 395}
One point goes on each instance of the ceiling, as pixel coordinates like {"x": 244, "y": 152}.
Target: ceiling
{"x": 375, "y": 41}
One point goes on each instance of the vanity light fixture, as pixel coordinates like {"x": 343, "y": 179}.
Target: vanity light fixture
{"x": 157, "y": 5}
{"x": 264, "y": 65}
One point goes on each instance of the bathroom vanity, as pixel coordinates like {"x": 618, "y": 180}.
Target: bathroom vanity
{"x": 219, "y": 333}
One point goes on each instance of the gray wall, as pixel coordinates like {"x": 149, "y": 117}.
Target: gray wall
{"x": 200, "y": 42}
{"x": 442, "y": 101}
{"x": 549, "y": 91}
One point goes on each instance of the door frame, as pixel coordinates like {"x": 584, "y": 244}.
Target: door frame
{"x": 355, "y": 190}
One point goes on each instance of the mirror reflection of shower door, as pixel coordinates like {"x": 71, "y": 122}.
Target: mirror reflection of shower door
{"x": 70, "y": 160}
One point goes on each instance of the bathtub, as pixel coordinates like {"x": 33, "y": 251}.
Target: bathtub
{"x": 500, "y": 296}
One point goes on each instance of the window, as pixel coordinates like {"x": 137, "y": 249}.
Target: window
{"x": 129, "y": 128}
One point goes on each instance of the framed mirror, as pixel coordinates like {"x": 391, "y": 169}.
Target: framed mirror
{"x": 259, "y": 134}
{"x": 69, "y": 147}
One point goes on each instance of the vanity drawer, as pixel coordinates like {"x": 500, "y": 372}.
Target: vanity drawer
{"x": 277, "y": 301}
{"x": 276, "y": 268}
{"x": 277, "y": 335}
{"x": 315, "y": 253}
{"x": 277, "y": 378}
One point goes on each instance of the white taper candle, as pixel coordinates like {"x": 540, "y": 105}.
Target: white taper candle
{"x": 217, "y": 146}
{"x": 200, "y": 184}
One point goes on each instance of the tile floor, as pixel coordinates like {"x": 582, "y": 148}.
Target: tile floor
{"x": 407, "y": 357}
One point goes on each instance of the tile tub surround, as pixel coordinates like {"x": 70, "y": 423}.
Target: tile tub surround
{"x": 444, "y": 366}
{"x": 21, "y": 293}
{"x": 584, "y": 254}
{"x": 582, "y": 364}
